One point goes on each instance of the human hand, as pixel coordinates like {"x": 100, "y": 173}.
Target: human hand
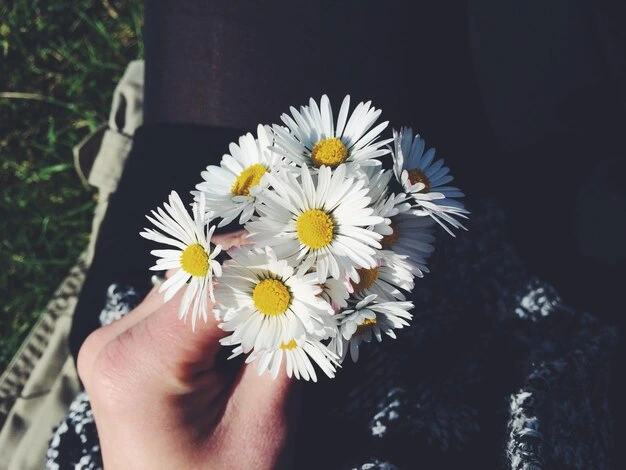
{"x": 159, "y": 402}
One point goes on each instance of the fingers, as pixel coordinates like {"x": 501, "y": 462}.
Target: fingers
{"x": 261, "y": 394}
{"x": 263, "y": 412}
{"x": 97, "y": 340}
{"x": 231, "y": 240}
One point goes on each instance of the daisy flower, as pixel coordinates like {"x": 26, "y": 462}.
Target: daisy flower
{"x": 229, "y": 189}
{"x": 192, "y": 257}
{"x": 299, "y": 357}
{"x": 265, "y": 303}
{"x": 385, "y": 280}
{"x": 321, "y": 225}
{"x": 366, "y": 320}
{"x": 313, "y": 139}
{"x": 412, "y": 238}
{"x": 425, "y": 179}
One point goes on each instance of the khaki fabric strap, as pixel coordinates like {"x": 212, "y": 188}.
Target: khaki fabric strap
{"x": 40, "y": 382}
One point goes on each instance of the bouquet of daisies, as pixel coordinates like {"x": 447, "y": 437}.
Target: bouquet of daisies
{"x": 334, "y": 241}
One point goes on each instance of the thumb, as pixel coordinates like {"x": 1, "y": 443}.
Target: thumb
{"x": 161, "y": 353}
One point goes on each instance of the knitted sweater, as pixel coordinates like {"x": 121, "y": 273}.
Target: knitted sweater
{"x": 494, "y": 372}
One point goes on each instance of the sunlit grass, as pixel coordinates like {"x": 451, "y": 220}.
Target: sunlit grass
{"x": 59, "y": 63}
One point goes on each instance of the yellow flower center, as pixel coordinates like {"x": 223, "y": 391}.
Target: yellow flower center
{"x": 290, "y": 345}
{"x": 416, "y": 175}
{"x": 271, "y": 297}
{"x": 330, "y": 152}
{"x": 248, "y": 179}
{"x": 315, "y": 228}
{"x": 388, "y": 240}
{"x": 195, "y": 260}
{"x": 367, "y": 277}
{"x": 365, "y": 326}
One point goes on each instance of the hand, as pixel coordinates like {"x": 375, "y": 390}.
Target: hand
{"x": 159, "y": 402}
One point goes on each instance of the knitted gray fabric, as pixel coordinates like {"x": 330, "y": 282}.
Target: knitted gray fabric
{"x": 495, "y": 372}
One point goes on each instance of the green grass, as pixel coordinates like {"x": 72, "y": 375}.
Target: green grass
{"x": 59, "y": 63}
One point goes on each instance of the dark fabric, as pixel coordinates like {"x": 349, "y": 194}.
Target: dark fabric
{"x": 229, "y": 64}
{"x": 546, "y": 68}
{"x": 552, "y": 79}
{"x": 495, "y": 371}
{"x": 75, "y": 442}
{"x": 238, "y": 63}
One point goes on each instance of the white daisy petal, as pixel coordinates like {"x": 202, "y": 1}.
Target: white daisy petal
{"x": 336, "y": 292}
